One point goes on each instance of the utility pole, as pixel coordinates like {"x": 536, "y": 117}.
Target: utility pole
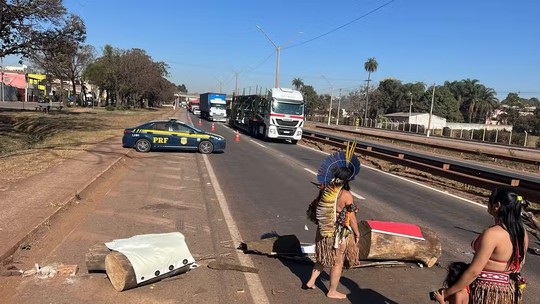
{"x": 431, "y": 110}
{"x": 367, "y": 100}
{"x": 410, "y": 111}
{"x": 278, "y": 50}
{"x": 236, "y": 83}
{"x": 338, "y": 108}
{"x": 220, "y": 84}
{"x": 331, "y": 99}
{"x": 2, "y": 71}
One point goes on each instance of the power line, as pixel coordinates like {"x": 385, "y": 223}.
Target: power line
{"x": 341, "y": 26}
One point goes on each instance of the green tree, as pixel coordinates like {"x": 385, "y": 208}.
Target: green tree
{"x": 27, "y": 26}
{"x": 297, "y": 83}
{"x": 103, "y": 73}
{"x": 181, "y": 88}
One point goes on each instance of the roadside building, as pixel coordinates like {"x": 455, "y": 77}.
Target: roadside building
{"x": 421, "y": 119}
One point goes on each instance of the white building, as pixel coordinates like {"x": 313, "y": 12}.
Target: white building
{"x": 421, "y": 119}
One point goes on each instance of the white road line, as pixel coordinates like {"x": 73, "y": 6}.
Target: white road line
{"x": 402, "y": 178}
{"x": 253, "y": 281}
{"x": 358, "y": 196}
{"x": 257, "y": 143}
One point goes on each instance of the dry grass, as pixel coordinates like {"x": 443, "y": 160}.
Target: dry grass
{"x": 31, "y": 142}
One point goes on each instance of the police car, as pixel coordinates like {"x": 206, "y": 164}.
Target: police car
{"x": 171, "y": 134}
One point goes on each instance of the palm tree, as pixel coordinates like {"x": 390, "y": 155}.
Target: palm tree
{"x": 297, "y": 83}
{"x": 370, "y": 66}
{"x": 487, "y": 102}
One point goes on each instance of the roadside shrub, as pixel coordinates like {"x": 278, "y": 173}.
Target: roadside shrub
{"x": 109, "y": 108}
{"x": 122, "y": 108}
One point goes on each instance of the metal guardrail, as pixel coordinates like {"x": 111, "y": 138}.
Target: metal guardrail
{"x": 494, "y": 155}
{"x": 460, "y": 171}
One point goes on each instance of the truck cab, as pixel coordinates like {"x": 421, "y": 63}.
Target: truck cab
{"x": 279, "y": 115}
{"x": 286, "y": 114}
{"x": 213, "y": 106}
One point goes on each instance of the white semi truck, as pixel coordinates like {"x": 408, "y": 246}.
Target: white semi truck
{"x": 279, "y": 115}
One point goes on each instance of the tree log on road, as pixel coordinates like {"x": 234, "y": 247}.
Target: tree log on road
{"x": 95, "y": 258}
{"x": 375, "y": 245}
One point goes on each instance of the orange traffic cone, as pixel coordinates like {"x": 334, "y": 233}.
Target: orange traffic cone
{"x": 213, "y": 128}
{"x": 200, "y": 122}
{"x": 237, "y": 136}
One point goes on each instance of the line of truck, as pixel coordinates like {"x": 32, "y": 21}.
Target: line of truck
{"x": 278, "y": 115}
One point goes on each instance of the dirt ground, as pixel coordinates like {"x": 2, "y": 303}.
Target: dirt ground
{"x": 31, "y": 142}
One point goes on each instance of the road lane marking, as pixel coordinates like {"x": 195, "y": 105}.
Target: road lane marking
{"x": 358, "y": 196}
{"x": 257, "y": 143}
{"x": 404, "y": 179}
{"x": 253, "y": 281}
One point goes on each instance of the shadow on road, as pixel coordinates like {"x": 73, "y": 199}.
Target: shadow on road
{"x": 356, "y": 294}
{"x": 302, "y": 269}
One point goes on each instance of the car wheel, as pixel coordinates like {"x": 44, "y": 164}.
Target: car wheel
{"x": 206, "y": 147}
{"x": 294, "y": 141}
{"x": 143, "y": 145}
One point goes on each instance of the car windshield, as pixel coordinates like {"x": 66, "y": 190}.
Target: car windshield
{"x": 287, "y": 108}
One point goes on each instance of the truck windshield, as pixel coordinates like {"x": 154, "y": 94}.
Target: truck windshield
{"x": 287, "y": 108}
{"x": 219, "y": 106}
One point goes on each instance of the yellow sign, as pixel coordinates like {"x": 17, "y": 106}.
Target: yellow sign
{"x": 160, "y": 140}
{"x": 183, "y": 140}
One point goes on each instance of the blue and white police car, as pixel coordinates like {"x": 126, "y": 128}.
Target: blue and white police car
{"x": 171, "y": 135}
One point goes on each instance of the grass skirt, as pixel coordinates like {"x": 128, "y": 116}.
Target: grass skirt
{"x": 494, "y": 288}
{"x": 328, "y": 256}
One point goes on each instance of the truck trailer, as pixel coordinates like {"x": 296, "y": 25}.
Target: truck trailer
{"x": 279, "y": 115}
{"x": 213, "y": 106}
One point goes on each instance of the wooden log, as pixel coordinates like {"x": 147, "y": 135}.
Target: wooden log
{"x": 120, "y": 271}
{"x": 122, "y": 275}
{"x": 381, "y": 246}
{"x": 95, "y": 258}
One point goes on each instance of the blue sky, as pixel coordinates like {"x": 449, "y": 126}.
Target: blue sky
{"x": 206, "y": 42}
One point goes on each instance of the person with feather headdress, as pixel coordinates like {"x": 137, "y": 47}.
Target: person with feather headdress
{"x": 336, "y": 241}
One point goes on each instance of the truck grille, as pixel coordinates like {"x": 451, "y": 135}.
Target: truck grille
{"x": 286, "y": 131}
{"x": 285, "y": 123}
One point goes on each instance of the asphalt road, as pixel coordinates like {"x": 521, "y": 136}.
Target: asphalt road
{"x": 267, "y": 186}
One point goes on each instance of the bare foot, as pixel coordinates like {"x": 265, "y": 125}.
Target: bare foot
{"x": 308, "y": 286}
{"x": 336, "y": 295}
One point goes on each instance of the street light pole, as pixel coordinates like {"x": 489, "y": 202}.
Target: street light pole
{"x": 331, "y": 99}
{"x": 338, "y": 108}
{"x": 2, "y": 71}
{"x": 367, "y": 98}
{"x": 431, "y": 110}
{"x": 278, "y": 51}
{"x": 410, "y": 112}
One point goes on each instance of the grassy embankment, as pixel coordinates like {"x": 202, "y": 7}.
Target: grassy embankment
{"x": 31, "y": 142}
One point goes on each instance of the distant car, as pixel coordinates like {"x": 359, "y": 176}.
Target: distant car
{"x": 171, "y": 135}
{"x": 196, "y": 110}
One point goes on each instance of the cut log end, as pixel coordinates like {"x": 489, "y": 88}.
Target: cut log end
{"x": 379, "y": 246}
{"x": 120, "y": 271}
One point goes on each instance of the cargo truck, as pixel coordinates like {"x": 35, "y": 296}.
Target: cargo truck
{"x": 213, "y": 106}
{"x": 279, "y": 115}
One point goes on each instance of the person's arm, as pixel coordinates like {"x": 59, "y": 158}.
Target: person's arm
{"x": 352, "y": 222}
{"x": 486, "y": 246}
{"x": 525, "y": 246}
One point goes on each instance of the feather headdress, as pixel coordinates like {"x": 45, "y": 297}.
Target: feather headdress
{"x": 336, "y": 160}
